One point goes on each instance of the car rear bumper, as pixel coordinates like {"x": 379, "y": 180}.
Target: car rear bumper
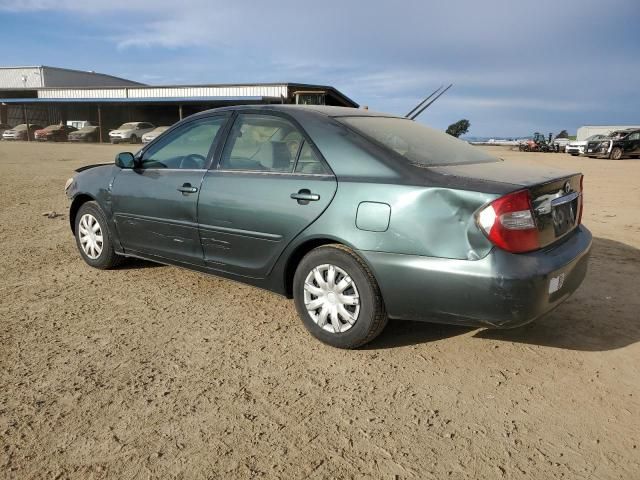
{"x": 500, "y": 290}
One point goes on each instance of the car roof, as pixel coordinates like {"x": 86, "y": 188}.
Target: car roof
{"x": 328, "y": 111}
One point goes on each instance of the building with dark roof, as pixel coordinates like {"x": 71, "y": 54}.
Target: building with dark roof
{"x": 48, "y": 95}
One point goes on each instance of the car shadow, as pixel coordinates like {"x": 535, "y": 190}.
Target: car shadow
{"x": 603, "y": 314}
{"x": 137, "y": 264}
{"x": 402, "y": 333}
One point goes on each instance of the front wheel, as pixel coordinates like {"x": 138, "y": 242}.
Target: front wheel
{"x": 337, "y": 297}
{"x": 616, "y": 153}
{"x": 93, "y": 238}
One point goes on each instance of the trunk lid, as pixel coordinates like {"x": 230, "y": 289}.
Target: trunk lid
{"x": 556, "y": 195}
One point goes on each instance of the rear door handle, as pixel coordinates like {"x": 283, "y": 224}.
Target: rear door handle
{"x": 305, "y": 196}
{"x": 187, "y": 188}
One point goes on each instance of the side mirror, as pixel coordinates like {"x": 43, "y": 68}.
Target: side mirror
{"x": 125, "y": 160}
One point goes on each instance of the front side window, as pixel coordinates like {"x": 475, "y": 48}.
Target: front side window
{"x": 262, "y": 143}
{"x": 417, "y": 143}
{"x": 185, "y": 148}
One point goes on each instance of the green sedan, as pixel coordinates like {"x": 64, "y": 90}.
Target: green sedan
{"x": 357, "y": 216}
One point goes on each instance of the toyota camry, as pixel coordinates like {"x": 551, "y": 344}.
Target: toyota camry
{"x": 357, "y": 216}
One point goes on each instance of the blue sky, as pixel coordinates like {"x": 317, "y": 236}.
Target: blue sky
{"x": 516, "y": 66}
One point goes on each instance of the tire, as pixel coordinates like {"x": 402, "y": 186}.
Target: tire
{"x": 616, "y": 153}
{"x": 106, "y": 258}
{"x": 368, "y": 310}
{"x": 134, "y": 139}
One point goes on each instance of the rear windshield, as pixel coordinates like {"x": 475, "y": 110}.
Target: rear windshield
{"x": 417, "y": 143}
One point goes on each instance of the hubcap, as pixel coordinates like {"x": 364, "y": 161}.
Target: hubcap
{"x": 331, "y": 298}
{"x": 91, "y": 239}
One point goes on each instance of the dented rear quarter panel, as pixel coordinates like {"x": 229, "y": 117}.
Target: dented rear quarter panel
{"x": 426, "y": 221}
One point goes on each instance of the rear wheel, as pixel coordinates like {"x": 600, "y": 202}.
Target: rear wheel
{"x": 337, "y": 297}
{"x": 93, "y": 238}
{"x": 616, "y": 153}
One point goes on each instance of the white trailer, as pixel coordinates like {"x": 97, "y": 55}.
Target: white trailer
{"x": 588, "y": 130}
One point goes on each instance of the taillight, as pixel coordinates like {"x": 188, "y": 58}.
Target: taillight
{"x": 509, "y": 223}
{"x": 581, "y": 207}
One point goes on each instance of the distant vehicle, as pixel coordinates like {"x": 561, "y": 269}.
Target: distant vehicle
{"x": 78, "y": 124}
{"x": 358, "y": 216}
{"x": 153, "y": 134}
{"x": 21, "y": 132}
{"x": 3, "y": 127}
{"x": 539, "y": 143}
{"x": 619, "y": 144}
{"x": 576, "y": 147}
{"x": 561, "y": 144}
{"x": 130, "y": 132}
{"x": 54, "y": 133}
{"x": 85, "y": 134}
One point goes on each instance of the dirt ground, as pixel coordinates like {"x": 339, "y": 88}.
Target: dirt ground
{"x": 152, "y": 371}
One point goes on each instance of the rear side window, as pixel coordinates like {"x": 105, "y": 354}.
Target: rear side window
{"x": 417, "y": 143}
{"x": 308, "y": 162}
{"x": 262, "y": 143}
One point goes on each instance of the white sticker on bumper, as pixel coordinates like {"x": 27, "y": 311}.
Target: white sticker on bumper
{"x": 555, "y": 283}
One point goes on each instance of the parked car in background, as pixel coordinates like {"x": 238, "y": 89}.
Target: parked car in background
{"x": 619, "y": 144}
{"x": 3, "y": 127}
{"x": 85, "y": 134}
{"x": 54, "y": 133}
{"x": 130, "y": 132}
{"x": 560, "y": 144}
{"x": 358, "y": 216}
{"x": 153, "y": 134}
{"x": 21, "y": 132}
{"x": 577, "y": 147}
{"x": 78, "y": 124}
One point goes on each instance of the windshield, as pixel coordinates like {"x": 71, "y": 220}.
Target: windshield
{"x": 22, "y": 126}
{"x": 417, "y": 143}
{"x": 87, "y": 129}
{"x": 128, "y": 126}
{"x": 52, "y": 127}
{"x": 160, "y": 129}
{"x": 594, "y": 137}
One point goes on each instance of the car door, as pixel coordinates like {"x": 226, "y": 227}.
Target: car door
{"x": 270, "y": 184}
{"x": 633, "y": 142}
{"x": 155, "y": 204}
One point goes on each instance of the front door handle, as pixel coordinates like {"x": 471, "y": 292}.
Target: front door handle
{"x": 305, "y": 196}
{"x": 187, "y": 188}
